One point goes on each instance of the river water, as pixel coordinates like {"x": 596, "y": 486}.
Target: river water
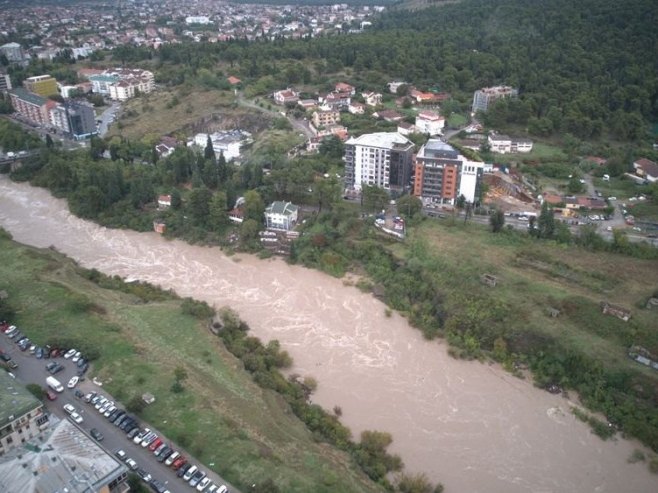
{"x": 469, "y": 425}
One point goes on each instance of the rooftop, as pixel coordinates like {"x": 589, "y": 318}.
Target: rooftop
{"x": 278, "y": 207}
{"x": 15, "y": 400}
{"x": 386, "y": 140}
{"x": 61, "y": 459}
{"x": 28, "y": 96}
{"x": 436, "y": 148}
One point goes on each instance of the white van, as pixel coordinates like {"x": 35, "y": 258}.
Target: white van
{"x": 54, "y": 384}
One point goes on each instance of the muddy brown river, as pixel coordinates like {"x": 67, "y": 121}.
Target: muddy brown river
{"x": 469, "y": 425}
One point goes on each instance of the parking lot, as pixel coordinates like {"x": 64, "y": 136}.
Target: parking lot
{"x": 31, "y": 369}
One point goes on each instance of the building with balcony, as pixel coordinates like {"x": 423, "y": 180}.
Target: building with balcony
{"x": 281, "y": 216}
{"x": 31, "y": 106}
{"x": 43, "y": 85}
{"x": 382, "y": 159}
{"x": 22, "y": 416}
{"x": 483, "y": 98}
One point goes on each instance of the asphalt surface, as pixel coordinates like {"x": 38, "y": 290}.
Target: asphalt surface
{"x": 107, "y": 117}
{"x": 33, "y": 370}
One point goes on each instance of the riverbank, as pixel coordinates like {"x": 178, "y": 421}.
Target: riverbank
{"x": 471, "y": 426}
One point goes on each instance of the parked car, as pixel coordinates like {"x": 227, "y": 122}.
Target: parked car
{"x": 222, "y": 489}
{"x": 153, "y": 446}
{"x": 156, "y": 451}
{"x": 170, "y": 460}
{"x": 83, "y": 369}
{"x": 98, "y": 436}
{"x": 182, "y": 470}
{"x": 57, "y": 369}
{"x": 144, "y": 475}
{"x": 212, "y": 488}
{"x": 76, "y": 417}
{"x": 79, "y": 393}
{"x": 164, "y": 453}
{"x": 157, "y": 486}
{"x": 203, "y": 484}
{"x": 51, "y": 395}
{"x": 131, "y": 463}
{"x": 141, "y": 435}
{"x": 39, "y": 353}
{"x": 121, "y": 454}
{"x": 109, "y": 411}
{"x": 76, "y": 357}
{"x": 50, "y": 366}
{"x": 178, "y": 463}
{"x": 73, "y": 382}
{"x": 196, "y": 478}
{"x": 190, "y": 472}
{"x": 81, "y": 362}
{"x": 132, "y": 433}
{"x": 70, "y": 353}
{"x": 149, "y": 440}
{"x": 68, "y": 408}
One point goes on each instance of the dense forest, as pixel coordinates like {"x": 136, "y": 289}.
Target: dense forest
{"x": 588, "y": 68}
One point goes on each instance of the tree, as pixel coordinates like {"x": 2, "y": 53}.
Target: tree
{"x": 36, "y": 390}
{"x": 373, "y": 198}
{"x": 414, "y": 483}
{"x": 217, "y": 214}
{"x": 176, "y": 200}
{"x": 49, "y": 141}
{"x": 409, "y": 206}
{"x": 574, "y": 185}
{"x": 326, "y": 192}
{"x": 497, "y": 221}
{"x": 199, "y": 205}
{"x": 249, "y": 232}
{"x": 253, "y": 206}
{"x": 180, "y": 374}
{"x": 209, "y": 151}
{"x": 546, "y": 222}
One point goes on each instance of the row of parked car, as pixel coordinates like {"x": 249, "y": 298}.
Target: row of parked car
{"x": 25, "y": 345}
{"x": 145, "y": 437}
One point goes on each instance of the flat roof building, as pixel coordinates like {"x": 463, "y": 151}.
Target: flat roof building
{"x": 22, "y": 415}
{"x": 43, "y": 85}
{"x": 483, "y": 98}
{"x": 62, "y": 459}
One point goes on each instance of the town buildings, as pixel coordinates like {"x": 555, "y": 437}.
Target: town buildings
{"x": 442, "y": 174}
{"x": 43, "y": 85}
{"x": 22, "y": 417}
{"x": 62, "y": 459}
{"x": 12, "y": 51}
{"x": 503, "y": 144}
{"x": 483, "y": 98}
{"x": 31, "y": 106}
{"x": 647, "y": 169}
{"x": 382, "y": 159}
{"x": 281, "y": 216}
{"x": 324, "y": 118}
{"x": 121, "y": 83}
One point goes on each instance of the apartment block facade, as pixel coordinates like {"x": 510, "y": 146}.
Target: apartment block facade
{"x": 483, "y": 98}
{"x": 442, "y": 174}
{"x": 43, "y": 85}
{"x": 31, "y": 106}
{"x": 382, "y": 159}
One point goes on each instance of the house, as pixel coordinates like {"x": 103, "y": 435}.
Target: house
{"x": 346, "y": 88}
{"x": 356, "y": 108}
{"x": 281, "y": 216}
{"x": 227, "y": 142}
{"x": 372, "y": 98}
{"x": 234, "y": 81}
{"x": 286, "y": 96}
{"x": 338, "y": 100}
{"x": 405, "y": 128}
{"x": 646, "y": 169}
{"x": 599, "y": 161}
{"x": 585, "y": 203}
{"x": 389, "y": 115}
{"x": 552, "y": 198}
{"x": 307, "y": 104}
{"x": 166, "y": 146}
{"x": 504, "y": 144}
{"x": 164, "y": 201}
{"x": 394, "y": 86}
{"x": 421, "y": 97}
{"x": 430, "y": 122}
{"x": 324, "y": 118}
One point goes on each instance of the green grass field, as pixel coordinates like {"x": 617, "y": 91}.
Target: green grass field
{"x": 222, "y": 417}
{"x": 539, "y": 151}
{"x": 535, "y": 276}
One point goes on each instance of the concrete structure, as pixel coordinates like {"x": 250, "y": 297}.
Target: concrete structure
{"x": 430, "y": 122}
{"x": 74, "y": 118}
{"x": 43, "y": 85}
{"x": 380, "y": 159}
{"x": 63, "y": 459}
{"x": 372, "y": 98}
{"x": 504, "y": 144}
{"x": 22, "y": 416}
{"x": 394, "y": 86}
{"x": 5, "y": 82}
{"x": 441, "y": 174}
{"x": 228, "y": 142}
{"x": 13, "y": 52}
{"x": 324, "y": 118}
{"x": 30, "y": 106}
{"x": 281, "y": 216}
{"x": 286, "y": 96}
{"x": 483, "y": 98}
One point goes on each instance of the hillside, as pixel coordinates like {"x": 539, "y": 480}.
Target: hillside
{"x": 139, "y": 336}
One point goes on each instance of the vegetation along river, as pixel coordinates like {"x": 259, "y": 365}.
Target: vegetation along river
{"x": 469, "y": 425}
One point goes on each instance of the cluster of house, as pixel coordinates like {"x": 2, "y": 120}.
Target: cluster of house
{"x": 39, "y": 452}
{"x": 72, "y": 117}
{"x": 81, "y": 29}
{"x": 119, "y": 83}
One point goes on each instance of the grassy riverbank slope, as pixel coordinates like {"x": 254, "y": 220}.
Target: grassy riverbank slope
{"x": 222, "y": 416}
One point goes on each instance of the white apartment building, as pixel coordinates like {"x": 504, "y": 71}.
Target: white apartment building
{"x": 430, "y": 122}
{"x": 380, "y": 159}
{"x": 470, "y": 179}
{"x": 484, "y": 97}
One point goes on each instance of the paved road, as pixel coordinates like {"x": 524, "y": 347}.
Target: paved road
{"x": 32, "y": 370}
{"x": 107, "y": 117}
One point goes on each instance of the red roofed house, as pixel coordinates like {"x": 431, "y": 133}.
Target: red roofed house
{"x": 164, "y": 201}
{"x": 344, "y": 87}
{"x": 234, "y": 81}
{"x": 286, "y": 96}
{"x": 389, "y": 115}
{"x": 646, "y": 169}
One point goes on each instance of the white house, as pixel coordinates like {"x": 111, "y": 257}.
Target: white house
{"x": 281, "y": 216}
{"x": 646, "y": 169}
{"x": 470, "y": 178}
{"x": 504, "y": 144}
{"x": 286, "y": 96}
{"x": 430, "y": 122}
{"x": 228, "y": 142}
{"x": 372, "y": 98}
